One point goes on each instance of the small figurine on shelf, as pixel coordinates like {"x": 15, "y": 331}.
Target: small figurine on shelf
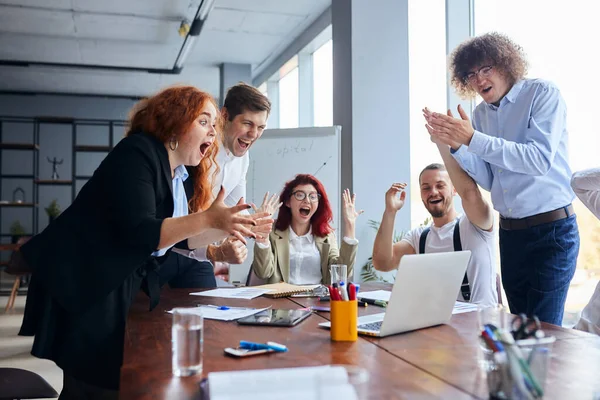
{"x": 16, "y": 230}
{"x": 16, "y": 198}
{"x": 54, "y": 163}
{"x": 53, "y": 210}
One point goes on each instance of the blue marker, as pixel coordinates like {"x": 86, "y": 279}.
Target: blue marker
{"x": 263, "y": 346}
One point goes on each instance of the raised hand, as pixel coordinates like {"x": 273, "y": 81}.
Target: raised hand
{"x": 393, "y": 201}
{"x": 269, "y": 204}
{"x": 228, "y": 220}
{"x": 349, "y": 212}
{"x": 265, "y": 224}
{"x": 449, "y": 130}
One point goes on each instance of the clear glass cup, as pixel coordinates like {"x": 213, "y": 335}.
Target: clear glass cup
{"x": 187, "y": 341}
{"x": 339, "y": 273}
{"x": 496, "y": 315}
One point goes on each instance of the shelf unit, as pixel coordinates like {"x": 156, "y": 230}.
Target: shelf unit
{"x": 77, "y": 150}
{"x": 21, "y": 147}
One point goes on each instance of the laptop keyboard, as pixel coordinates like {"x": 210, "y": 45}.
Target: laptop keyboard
{"x": 373, "y": 326}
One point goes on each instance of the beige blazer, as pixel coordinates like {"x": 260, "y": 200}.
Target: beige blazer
{"x": 273, "y": 263}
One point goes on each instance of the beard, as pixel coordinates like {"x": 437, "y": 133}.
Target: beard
{"x": 438, "y": 210}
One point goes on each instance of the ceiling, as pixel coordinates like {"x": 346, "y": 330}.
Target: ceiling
{"x": 140, "y": 34}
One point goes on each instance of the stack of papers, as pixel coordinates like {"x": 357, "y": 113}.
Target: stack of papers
{"x": 459, "y": 306}
{"x": 462, "y": 307}
{"x": 233, "y": 313}
{"x": 246, "y": 293}
{"x": 306, "y": 383}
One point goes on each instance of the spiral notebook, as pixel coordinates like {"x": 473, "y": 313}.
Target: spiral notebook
{"x": 283, "y": 289}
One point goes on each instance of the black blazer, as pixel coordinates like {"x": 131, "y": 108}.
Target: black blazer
{"x": 110, "y": 230}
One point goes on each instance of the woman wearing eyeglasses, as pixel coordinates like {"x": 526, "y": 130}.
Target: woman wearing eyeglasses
{"x": 303, "y": 245}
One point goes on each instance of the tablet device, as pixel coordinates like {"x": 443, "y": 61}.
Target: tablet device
{"x": 276, "y": 317}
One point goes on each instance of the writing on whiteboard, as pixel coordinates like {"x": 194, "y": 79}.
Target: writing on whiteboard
{"x": 297, "y": 148}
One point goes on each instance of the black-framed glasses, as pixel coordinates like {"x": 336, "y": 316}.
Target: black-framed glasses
{"x": 483, "y": 72}
{"x": 312, "y": 197}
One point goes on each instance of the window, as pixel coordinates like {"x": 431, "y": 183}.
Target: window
{"x": 556, "y": 40}
{"x": 323, "y": 85}
{"x": 288, "y": 94}
{"x": 428, "y": 82}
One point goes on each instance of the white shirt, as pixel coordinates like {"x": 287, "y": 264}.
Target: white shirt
{"x": 305, "y": 259}
{"x": 180, "y": 203}
{"x": 481, "y": 270}
{"x": 232, "y": 176}
{"x": 586, "y": 185}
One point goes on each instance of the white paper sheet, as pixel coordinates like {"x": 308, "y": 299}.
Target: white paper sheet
{"x": 462, "y": 307}
{"x": 233, "y": 313}
{"x": 304, "y": 383}
{"x": 246, "y": 293}
{"x": 459, "y": 306}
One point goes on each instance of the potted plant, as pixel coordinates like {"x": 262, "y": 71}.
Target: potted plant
{"x": 53, "y": 210}
{"x": 16, "y": 230}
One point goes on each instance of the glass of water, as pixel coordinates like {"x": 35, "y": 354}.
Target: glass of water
{"x": 186, "y": 341}
{"x": 339, "y": 273}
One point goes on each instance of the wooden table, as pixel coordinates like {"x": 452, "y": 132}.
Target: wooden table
{"x": 438, "y": 362}
{"x": 451, "y": 353}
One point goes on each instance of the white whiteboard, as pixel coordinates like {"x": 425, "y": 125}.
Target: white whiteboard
{"x": 281, "y": 154}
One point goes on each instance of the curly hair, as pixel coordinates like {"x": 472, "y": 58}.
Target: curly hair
{"x": 321, "y": 219}
{"x": 495, "y": 48}
{"x": 170, "y": 114}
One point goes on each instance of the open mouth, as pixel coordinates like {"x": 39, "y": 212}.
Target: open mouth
{"x": 304, "y": 211}
{"x": 204, "y": 148}
{"x": 437, "y": 201}
{"x": 244, "y": 144}
{"x": 487, "y": 89}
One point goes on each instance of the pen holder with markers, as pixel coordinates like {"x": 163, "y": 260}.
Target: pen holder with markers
{"x": 518, "y": 368}
{"x": 344, "y": 316}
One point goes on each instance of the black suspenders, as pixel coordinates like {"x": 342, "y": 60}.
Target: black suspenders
{"x": 464, "y": 288}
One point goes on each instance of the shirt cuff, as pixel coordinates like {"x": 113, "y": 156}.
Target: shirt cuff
{"x": 351, "y": 242}
{"x": 263, "y": 245}
{"x": 199, "y": 254}
{"x": 478, "y": 142}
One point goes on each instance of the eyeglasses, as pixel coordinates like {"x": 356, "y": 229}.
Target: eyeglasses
{"x": 312, "y": 197}
{"x": 483, "y": 72}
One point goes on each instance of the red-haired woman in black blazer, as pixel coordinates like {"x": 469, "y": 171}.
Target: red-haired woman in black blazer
{"x": 90, "y": 262}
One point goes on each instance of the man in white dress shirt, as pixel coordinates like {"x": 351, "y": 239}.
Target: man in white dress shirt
{"x": 244, "y": 115}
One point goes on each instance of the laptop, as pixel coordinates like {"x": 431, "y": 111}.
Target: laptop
{"x": 423, "y": 295}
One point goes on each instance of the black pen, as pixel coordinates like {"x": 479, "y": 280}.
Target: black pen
{"x": 379, "y": 303}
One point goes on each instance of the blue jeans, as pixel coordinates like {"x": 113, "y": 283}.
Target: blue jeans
{"x": 538, "y": 264}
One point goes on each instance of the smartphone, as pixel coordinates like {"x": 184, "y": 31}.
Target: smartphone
{"x": 246, "y": 352}
{"x": 277, "y": 317}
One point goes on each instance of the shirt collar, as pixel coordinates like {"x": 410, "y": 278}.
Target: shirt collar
{"x": 309, "y": 236}
{"x": 224, "y": 156}
{"x": 514, "y": 91}
{"x": 181, "y": 173}
{"x": 512, "y": 94}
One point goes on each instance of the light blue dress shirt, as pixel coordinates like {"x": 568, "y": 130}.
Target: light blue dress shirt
{"x": 180, "y": 202}
{"x": 519, "y": 150}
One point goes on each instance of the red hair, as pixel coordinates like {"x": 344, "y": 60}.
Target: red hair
{"x": 170, "y": 114}
{"x": 321, "y": 219}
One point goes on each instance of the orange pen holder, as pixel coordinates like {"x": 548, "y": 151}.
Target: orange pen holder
{"x": 344, "y": 316}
